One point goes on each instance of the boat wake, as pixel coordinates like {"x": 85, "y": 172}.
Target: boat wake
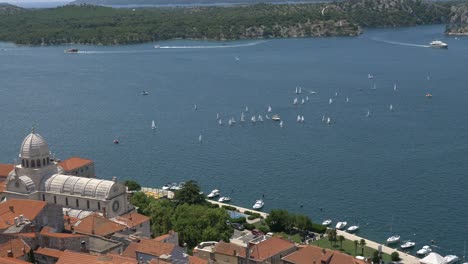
{"x": 400, "y": 43}
{"x": 215, "y": 46}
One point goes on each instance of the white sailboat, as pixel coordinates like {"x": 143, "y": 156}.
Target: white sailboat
{"x": 260, "y": 118}
{"x": 300, "y": 90}
{"x": 302, "y": 102}
{"x": 242, "y": 118}
{"x": 195, "y": 107}
{"x": 246, "y": 109}
{"x": 298, "y": 118}
{"x": 368, "y": 113}
{"x": 269, "y": 109}
{"x": 330, "y": 101}
{"x": 281, "y": 123}
{"x": 233, "y": 120}
{"x": 370, "y": 76}
{"x": 374, "y": 87}
{"x": 302, "y": 119}
{"x": 329, "y": 121}
{"x": 253, "y": 119}
{"x": 217, "y": 116}
{"x": 307, "y": 98}
{"x": 230, "y": 122}
{"x": 347, "y": 99}
{"x": 153, "y": 125}
{"x": 220, "y": 122}
{"x": 200, "y": 138}
{"x": 336, "y": 94}
{"x": 394, "y": 87}
{"x": 390, "y": 107}
{"x": 297, "y": 91}
{"x": 267, "y": 117}
{"x": 295, "y": 101}
{"x": 323, "y": 118}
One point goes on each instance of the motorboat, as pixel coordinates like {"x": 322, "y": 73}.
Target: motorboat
{"x": 327, "y": 222}
{"x": 166, "y": 187}
{"x": 224, "y": 199}
{"x": 276, "y": 118}
{"x": 428, "y": 95}
{"x": 144, "y": 92}
{"x": 393, "y": 239}
{"x": 370, "y": 76}
{"x": 213, "y": 193}
{"x": 451, "y": 259}
{"x": 157, "y": 46}
{"x": 71, "y": 51}
{"x": 353, "y": 229}
{"x": 438, "y": 44}
{"x": 341, "y": 225}
{"x": 258, "y": 204}
{"x": 424, "y": 250}
{"x": 407, "y": 244}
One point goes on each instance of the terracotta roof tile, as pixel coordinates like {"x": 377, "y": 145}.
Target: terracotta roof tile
{"x": 196, "y": 260}
{"x": 229, "y": 249}
{"x": 159, "y": 261}
{"x": 49, "y": 252}
{"x": 150, "y": 247}
{"x": 311, "y": 254}
{"x": 7, "y": 260}
{"x": 29, "y": 235}
{"x": 16, "y": 245}
{"x": 5, "y": 169}
{"x": 161, "y": 238}
{"x": 74, "y": 163}
{"x": 132, "y": 219}
{"x": 270, "y": 247}
{"x": 70, "y": 257}
{"x": 29, "y": 208}
{"x": 47, "y": 231}
{"x": 99, "y": 224}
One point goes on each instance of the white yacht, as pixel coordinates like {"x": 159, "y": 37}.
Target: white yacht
{"x": 242, "y": 118}
{"x": 213, "y": 193}
{"x": 327, "y": 222}
{"x": 258, "y": 204}
{"x": 450, "y": 259}
{"x": 438, "y": 44}
{"x": 341, "y": 225}
{"x": 424, "y": 250}
{"x": 408, "y": 244}
{"x": 275, "y": 118}
{"x": 353, "y": 229}
{"x": 224, "y": 199}
{"x": 393, "y": 239}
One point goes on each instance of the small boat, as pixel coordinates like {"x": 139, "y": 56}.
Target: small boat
{"x": 368, "y": 113}
{"x": 116, "y": 141}
{"x": 329, "y": 121}
{"x": 323, "y": 118}
{"x": 393, "y": 239}
{"x": 300, "y": 90}
{"x": 295, "y": 101}
{"x": 195, "y": 107}
{"x": 281, "y": 124}
{"x": 390, "y": 107}
{"x": 438, "y": 44}
{"x": 220, "y": 122}
{"x": 275, "y": 118}
{"x": 260, "y": 118}
{"x": 217, "y": 116}
{"x": 341, "y": 225}
{"x": 394, "y": 87}
{"x": 166, "y": 187}
{"x": 297, "y": 91}
{"x": 302, "y": 119}
{"x": 230, "y": 122}
{"x": 242, "y": 118}
{"x": 347, "y": 99}
{"x": 269, "y": 109}
{"x": 213, "y": 193}
{"x": 267, "y": 117}
{"x": 336, "y": 94}
{"x": 253, "y": 119}
{"x": 144, "y": 92}
{"x": 428, "y": 95}
{"x": 237, "y": 58}
{"x": 370, "y": 76}
{"x": 258, "y": 204}
{"x": 307, "y": 98}
{"x": 353, "y": 229}
{"x": 450, "y": 259}
{"x": 71, "y": 51}
{"x": 303, "y": 101}
{"x": 200, "y": 138}
{"x": 224, "y": 199}
{"x": 157, "y": 46}
{"x": 424, "y": 250}
{"x": 153, "y": 125}
{"x": 246, "y": 109}
{"x": 407, "y": 244}
{"x": 330, "y": 101}
{"x": 313, "y": 92}
{"x": 327, "y": 222}
{"x": 298, "y": 118}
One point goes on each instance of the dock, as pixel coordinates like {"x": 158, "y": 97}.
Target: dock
{"x": 405, "y": 257}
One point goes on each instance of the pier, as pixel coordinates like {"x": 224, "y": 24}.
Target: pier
{"x": 405, "y": 257}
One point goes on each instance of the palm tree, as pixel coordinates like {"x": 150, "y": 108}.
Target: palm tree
{"x": 341, "y": 239}
{"x": 332, "y": 236}
{"x": 355, "y": 246}
{"x": 362, "y": 243}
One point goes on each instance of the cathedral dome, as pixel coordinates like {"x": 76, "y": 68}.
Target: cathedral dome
{"x": 34, "y": 146}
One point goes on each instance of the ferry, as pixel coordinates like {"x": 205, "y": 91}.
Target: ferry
{"x": 71, "y": 51}
{"x": 438, "y": 44}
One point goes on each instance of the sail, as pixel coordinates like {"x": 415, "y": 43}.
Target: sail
{"x": 153, "y": 125}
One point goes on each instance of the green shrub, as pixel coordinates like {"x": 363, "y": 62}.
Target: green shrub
{"x": 264, "y": 229}
{"x": 230, "y": 208}
{"x": 248, "y": 212}
{"x": 241, "y": 220}
{"x": 254, "y": 216}
{"x": 395, "y": 256}
{"x": 249, "y": 226}
{"x": 317, "y": 228}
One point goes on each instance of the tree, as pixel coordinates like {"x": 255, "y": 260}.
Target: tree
{"x": 132, "y": 185}
{"x": 341, "y": 238}
{"x": 375, "y": 257}
{"x": 355, "y": 246}
{"x": 190, "y": 194}
{"x": 395, "y": 256}
{"x": 160, "y": 212}
{"x": 362, "y": 243}
{"x": 332, "y": 236}
{"x": 141, "y": 201}
{"x": 279, "y": 220}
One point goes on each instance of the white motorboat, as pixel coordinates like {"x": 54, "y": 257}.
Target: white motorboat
{"x": 327, "y": 222}
{"x": 213, "y": 193}
{"x": 224, "y": 199}
{"x": 408, "y": 244}
{"x": 166, "y": 187}
{"x": 438, "y": 44}
{"x": 450, "y": 259}
{"x": 370, "y": 76}
{"x": 258, "y": 204}
{"x": 393, "y": 239}
{"x": 276, "y": 118}
{"x": 341, "y": 225}
{"x": 353, "y": 229}
{"x": 424, "y": 250}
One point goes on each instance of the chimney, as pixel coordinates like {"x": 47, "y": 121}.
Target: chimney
{"x": 17, "y": 222}
{"x": 12, "y": 208}
{"x": 9, "y": 253}
{"x": 21, "y": 217}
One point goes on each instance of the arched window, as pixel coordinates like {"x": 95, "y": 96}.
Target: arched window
{"x": 87, "y": 203}
{"x": 27, "y": 163}
{"x": 48, "y": 161}
{"x": 38, "y": 161}
{"x": 33, "y": 164}
{"x": 66, "y": 201}
{"x": 43, "y": 162}
{"x": 99, "y": 206}
{"x": 55, "y": 197}
{"x": 77, "y": 203}
{"x": 43, "y": 197}
{"x": 22, "y": 163}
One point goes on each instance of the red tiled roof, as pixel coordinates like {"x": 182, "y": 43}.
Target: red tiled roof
{"x": 196, "y": 260}
{"x": 229, "y": 249}
{"x": 29, "y": 235}
{"x": 29, "y": 208}
{"x": 99, "y": 224}
{"x": 132, "y": 219}
{"x": 17, "y": 247}
{"x": 148, "y": 246}
{"x": 48, "y": 231}
{"x": 314, "y": 254}
{"x": 161, "y": 238}
{"x": 270, "y": 247}
{"x": 7, "y": 260}
{"x": 74, "y": 163}
{"x": 70, "y": 257}
{"x": 5, "y": 169}
{"x": 49, "y": 252}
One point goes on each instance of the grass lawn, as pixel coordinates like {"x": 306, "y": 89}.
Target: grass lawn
{"x": 348, "y": 247}
{"x": 295, "y": 238}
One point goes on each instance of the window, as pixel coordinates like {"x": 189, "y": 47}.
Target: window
{"x": 27, "y": 163}
{"x": 22, "y": 163}
{"x": 66, "y": 201}
{"x": 87, "y": 203}
{"x": 43, "y": 197}
{"x": 43, "y": 162}
{"x": 38, "y": 163}
{"x": 55, "y": 197}
{"x": 77, "y": 203}
{"x": 48, "y": 160}
{"x": 33, "y": 164}
{"x": 98, "y": 205}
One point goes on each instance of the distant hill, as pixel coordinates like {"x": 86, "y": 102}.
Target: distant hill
{"x": 186, "y": 2}
{"x": 7, "y": 9}
{"x": 458, "y": 20}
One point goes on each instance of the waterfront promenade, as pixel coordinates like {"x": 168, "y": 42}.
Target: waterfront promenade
{"x": 405, "y": 258}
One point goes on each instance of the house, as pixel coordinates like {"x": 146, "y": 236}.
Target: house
{"x": 44, "y": 255}
{"x": 148, "y": 249}
{"x": 70, "y": 257}
{"x": 95, "y": 224}
{"x": 14, "y": 248}
{"x": 224, "y": 252}
{"x": 269, "y": 249}
{"x": 317, "y": 255}
{"x": 78, "y": 166}
{"x": 135, "y": 222}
